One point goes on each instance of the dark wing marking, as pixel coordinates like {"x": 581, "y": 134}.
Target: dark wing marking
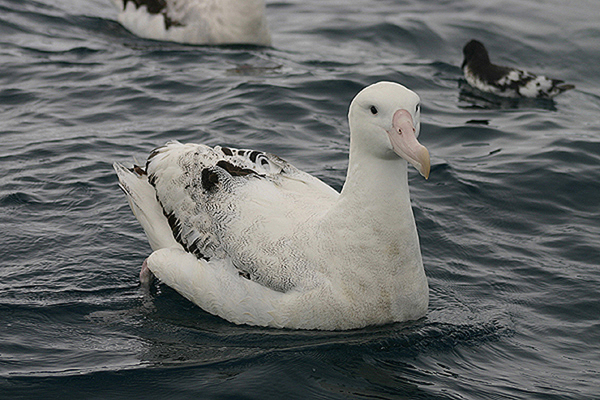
{"x": 227, "y": 151}
{"x": 234, "y": 170}
{"x": 209, "y": 179}
{"x": 155, "y": 7}
{"x": 175, "y": 225}
{"x": 138, "y": 170}
{"x": 253, "y": 155}
{"x": 495, "y": 73}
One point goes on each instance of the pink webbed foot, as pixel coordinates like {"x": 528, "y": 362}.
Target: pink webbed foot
{"x": 146, "y": 276}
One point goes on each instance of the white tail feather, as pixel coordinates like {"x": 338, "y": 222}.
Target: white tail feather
{"x": 142, "y": 200}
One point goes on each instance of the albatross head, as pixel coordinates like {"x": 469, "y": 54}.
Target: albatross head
{"x": 385, "y": 121}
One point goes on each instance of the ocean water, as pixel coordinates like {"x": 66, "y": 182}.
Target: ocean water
{"x": 509, "y": 220}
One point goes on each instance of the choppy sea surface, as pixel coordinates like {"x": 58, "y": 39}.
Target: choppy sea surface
{"x": 509, "y": 220}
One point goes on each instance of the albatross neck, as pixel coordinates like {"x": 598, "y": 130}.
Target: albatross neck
{"x": 376, "y": 183}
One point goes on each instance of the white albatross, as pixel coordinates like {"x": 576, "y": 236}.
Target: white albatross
{"x": 211, "y": 22}
{"x": 252, "y": 239}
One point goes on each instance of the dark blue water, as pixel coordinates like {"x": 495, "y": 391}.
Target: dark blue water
{"x": 509, "y": 219}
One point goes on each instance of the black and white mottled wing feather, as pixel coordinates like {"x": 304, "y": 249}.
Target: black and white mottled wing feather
{"x": 243, "y": 205}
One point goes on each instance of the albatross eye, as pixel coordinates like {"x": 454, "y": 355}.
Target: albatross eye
{"x": 374, "y": 110}
{"x": 418, "y": 107}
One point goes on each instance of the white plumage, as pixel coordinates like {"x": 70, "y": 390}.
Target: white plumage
{"x": 248, "y": 237}
{"x": 213, "y": 22}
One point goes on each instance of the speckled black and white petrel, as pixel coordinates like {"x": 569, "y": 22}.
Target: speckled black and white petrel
{"x": 505, "y": 81}
{"x": 249, "y": 237}
{"x": 212, "y": 22}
